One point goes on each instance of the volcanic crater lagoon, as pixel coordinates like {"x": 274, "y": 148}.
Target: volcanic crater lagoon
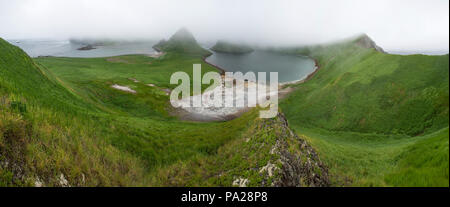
{"x": 289, "y": 67}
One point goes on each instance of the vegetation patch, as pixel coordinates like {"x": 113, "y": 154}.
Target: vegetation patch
{"x": 364, "y": 108}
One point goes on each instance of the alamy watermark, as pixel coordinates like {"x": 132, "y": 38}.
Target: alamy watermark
{"x": 234, "y": 89}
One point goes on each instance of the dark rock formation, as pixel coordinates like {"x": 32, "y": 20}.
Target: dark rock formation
{"x": 87, "y": 47}
{"x": 300, "y": 164}
{"x": 301, "y": 167}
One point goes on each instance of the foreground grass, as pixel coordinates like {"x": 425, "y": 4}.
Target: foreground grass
{"x": 46, "y": 131}
{"x": 359, "y": 159}
{"x": 59, "y": 117}
{"x": 425, "y": 163}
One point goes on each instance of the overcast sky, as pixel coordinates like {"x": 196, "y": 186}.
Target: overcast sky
{"x": 414, "y": 25}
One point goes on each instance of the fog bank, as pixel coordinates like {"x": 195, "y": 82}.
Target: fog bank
{"x": 397, "y": 25}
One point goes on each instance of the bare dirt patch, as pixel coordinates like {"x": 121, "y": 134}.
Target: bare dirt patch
{"x": 123, "y": 88}
{"x": 156, "y": 54}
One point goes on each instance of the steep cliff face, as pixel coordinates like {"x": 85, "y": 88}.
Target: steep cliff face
{"x": 366, "y": 42}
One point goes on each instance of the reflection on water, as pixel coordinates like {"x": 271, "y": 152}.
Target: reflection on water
{"x": 289, "y": 67}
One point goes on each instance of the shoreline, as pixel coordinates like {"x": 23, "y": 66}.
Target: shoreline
{"x": 302, "y": 80}
{"x": 308, "y": 77}
{"x": 222, "y": 71}
{"x": 186, "y": 115}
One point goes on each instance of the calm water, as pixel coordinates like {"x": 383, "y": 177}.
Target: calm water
{"x": 65, "y": 48}
{"x": 289, "y": 67}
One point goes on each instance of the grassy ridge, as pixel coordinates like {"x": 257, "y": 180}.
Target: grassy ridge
{"x": 267, "y": 154}
{"x": 359, "y": 89}
{"x": 364, "y": 107}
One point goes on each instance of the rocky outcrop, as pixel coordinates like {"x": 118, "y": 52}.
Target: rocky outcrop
{"x": 297, "y": 165}
{"x": 300, "y": 166}
{"x": 366, "y": 42}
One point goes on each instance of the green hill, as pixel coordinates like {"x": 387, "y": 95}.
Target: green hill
{"x": 226, "y": 47}
{"x": 363, "y": 108}
{"x": 182, "y": 42}
{"x": 363, "y": 90}
{"x": 63, "y": 124}
{"x": 373, "y": 119}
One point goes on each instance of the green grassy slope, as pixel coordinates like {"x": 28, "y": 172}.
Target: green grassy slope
{"x": 39, "y": 119}
{"x": 425, "y": 159}
{"x": 93, "y": 77}
{"x": 363, "y": 108}
{"x": 366, "y": 159}
{"x": 20, "y": 75}
{"x": 61, "y": 118}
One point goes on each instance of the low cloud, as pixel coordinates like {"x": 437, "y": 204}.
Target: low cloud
{"x": 418, "y": 25}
